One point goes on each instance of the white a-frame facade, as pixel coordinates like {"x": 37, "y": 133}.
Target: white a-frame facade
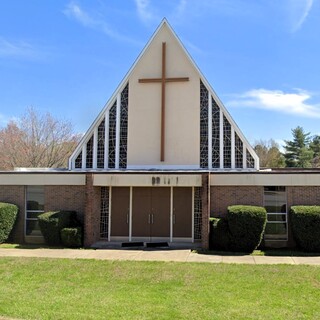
{"x": 162, "y": 157}
{"x": 132, "y": 131}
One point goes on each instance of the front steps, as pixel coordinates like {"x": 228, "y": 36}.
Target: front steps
{"x": 144, "y": 245}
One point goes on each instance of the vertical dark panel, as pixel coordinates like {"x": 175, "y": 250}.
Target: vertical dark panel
{"x": 160, "y": 220}
{"x": 112, "y": 136}
{"x": 226, "y": 143}
{"x": 101, "y": 143}
{"x": 197, "y": 213}
{"x": 250, "y": 160}
{"x": 124, "y": 127}
{"x": 89, "y": 157}
{"x": 104, "y": 213}
{"x": 141, "y": 212}
{"x": 204, "y": 101}
{"x": 120, "y": 211}
{"x": 215, "y": 134}
{"x": 182, "y": 212}
{"x": 238, "y": 151}
{"x": 78, "y": 161}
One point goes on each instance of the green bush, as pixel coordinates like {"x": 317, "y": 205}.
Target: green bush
{"x": 71, "y": 237}
{"x": 51, "y": 223}
{"x": 219, "y": 234}
{"x": 305, "y": 222}
{"x": 242, "y": 229}
{"x": 246, "y": 227}
{"x": 8, "y": 215}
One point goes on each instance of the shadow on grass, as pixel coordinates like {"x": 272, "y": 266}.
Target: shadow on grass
{"x": 262, "y": 252}
{"x": 27, "y": 246}
{"x": 289, "y": 253}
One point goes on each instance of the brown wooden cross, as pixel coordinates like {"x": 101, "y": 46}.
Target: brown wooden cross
{"x": 163, "y": 80}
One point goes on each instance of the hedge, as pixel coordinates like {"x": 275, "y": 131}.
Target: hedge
{"x": 219, "y": 234}
{"x": 305, "y": 222}
{"x": 246, "y": 226}
{"x": 71, "y": 237}
{"x": 8, "y": 215}
{"x": 242, "y": 230}
{"x": 51, "y": 223}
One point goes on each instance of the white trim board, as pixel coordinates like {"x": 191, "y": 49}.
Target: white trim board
{"x": 147, "y": 180}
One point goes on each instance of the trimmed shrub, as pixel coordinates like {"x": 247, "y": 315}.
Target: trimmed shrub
{"x": 51, "y": 223}
{"x": 305, "y": 222}
{"x": 219, "y": 234}
{"x": 8, "y": 215}
{"x": 71, "y": 237}
{"x": 246, "y": 226}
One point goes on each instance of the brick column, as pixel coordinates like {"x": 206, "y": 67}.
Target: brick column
{"x": 205, "y": 199}
{"x": 15, "y": 195}
{"x": 92, "y": 212}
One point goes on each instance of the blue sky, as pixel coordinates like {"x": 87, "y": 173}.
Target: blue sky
{"x": 262, "y": 57}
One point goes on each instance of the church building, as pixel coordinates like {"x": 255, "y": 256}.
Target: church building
{"x": 162, "y": 157}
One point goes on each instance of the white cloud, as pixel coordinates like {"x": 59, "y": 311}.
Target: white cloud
{"x": 181, "y": 7}
{"x": 18, "y": 49}
{"x": 299, "y": 11}
{"x": 74, "y": 11}
{"x": 295, "y": 103}
{"x": 149, "y": 12}
{"x": 144, "y": 10}
{"x": 192, "y": 47}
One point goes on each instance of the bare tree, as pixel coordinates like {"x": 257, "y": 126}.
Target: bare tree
{"x": 36, "y": 140}
{"x": 269, "y": 154}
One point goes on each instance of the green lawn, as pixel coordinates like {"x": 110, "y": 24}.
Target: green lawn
{"x": 34, "y": 288}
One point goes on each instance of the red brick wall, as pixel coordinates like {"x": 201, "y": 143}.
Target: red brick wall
{"x": 65, "y": 198}
{"x": 303, "y": 196}
{"x": 224, "y": 196}
{"x": 15, "y": 195}
{"x": 92, "y": 212}
{"x": 205, "y": 198}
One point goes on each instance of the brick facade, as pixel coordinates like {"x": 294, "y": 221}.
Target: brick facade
{"x": 65, "y": 198}
{"x": 223, "y": 196}
{"x": 85, "y": 200}
{"x": 303, "y": 195}
{"x": 15, "y": 195}
{"x": 92, "y": 212}
{"x": 205, "y": 199}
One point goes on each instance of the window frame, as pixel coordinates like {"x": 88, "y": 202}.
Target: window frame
{"x": 27, "y": 211}
{"x": 284, "y": 236}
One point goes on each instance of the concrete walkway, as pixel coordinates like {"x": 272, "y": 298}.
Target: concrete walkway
{"x": 184, "y": 255}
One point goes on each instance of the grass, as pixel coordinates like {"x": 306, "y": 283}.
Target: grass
{"x": 36, "y": 288}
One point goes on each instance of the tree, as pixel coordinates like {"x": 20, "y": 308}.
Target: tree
{"x": 269, "y": 154}
{"x": 315, "y": 147}
{"x": 298, "y": 152}
{"x": 36, "y": 140}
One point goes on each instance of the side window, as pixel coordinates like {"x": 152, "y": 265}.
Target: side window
{"x": 275, "y": 202}
{"x": 34, "y": 207}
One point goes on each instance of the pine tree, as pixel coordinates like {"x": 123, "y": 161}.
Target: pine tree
{"x": 298, "y": 152}
{"x": 315, "y": 147}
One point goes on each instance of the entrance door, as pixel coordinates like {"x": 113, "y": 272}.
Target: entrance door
{"x": 182, "y": 212}
{"x": 151, "y": 213}
{"x": 120, "y": 212}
